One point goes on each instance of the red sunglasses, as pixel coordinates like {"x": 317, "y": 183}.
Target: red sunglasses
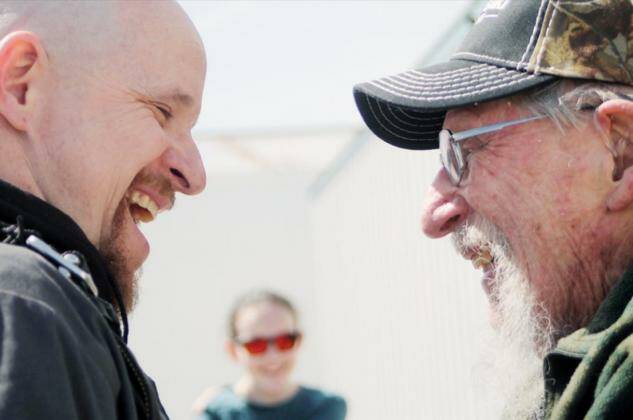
{"x": 259, "y": 345}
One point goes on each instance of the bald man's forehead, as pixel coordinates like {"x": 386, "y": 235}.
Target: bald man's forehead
{"x": 161, "y": 44}
{"x": 148, "y": 17}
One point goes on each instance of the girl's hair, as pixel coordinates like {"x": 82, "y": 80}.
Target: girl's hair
{"x": 253, "y": 298}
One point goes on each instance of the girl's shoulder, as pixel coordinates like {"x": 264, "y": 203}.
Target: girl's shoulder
{"x": 219, "y": 398}
{"x": 324, "y": 403}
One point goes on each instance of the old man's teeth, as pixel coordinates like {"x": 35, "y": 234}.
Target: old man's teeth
{"x": 144, "y": 201}
{"x": 484, "y": 258}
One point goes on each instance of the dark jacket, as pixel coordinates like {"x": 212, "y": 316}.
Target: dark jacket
{"x": 589, "y": 375}
{"x": 62, "y": 351}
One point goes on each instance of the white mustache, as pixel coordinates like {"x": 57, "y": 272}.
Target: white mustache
{"x": 479, "y": 232}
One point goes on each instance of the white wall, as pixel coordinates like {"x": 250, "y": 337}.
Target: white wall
{"x": 245, "y": 231}
{"x": 408, "y": 309}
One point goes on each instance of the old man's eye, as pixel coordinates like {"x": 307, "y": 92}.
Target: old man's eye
{"x": 473, "y": 144}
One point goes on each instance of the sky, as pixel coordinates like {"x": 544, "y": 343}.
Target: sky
{"x": 292, "y": 64}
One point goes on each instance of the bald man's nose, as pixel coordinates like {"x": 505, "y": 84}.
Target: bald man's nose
{"x": 444, "y": 210}
{"x": 186, "y": 170}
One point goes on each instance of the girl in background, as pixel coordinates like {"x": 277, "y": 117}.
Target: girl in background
{"x": 264, "y": 338}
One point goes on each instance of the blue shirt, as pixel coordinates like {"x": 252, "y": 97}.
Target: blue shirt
{"x": 306, "y": 404}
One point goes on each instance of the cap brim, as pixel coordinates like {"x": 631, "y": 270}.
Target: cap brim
{"x": 407, "y": 110}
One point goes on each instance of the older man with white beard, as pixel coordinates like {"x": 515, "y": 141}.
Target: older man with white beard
{"x": 533, "y": 116}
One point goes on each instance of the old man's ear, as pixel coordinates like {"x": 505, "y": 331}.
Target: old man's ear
{"x": 21, "y": 60}
{"x": 615, "y": 119}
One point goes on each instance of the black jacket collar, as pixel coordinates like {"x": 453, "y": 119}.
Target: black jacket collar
{"x": 57, "y": 229}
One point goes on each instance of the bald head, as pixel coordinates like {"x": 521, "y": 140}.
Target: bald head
{"x": 63, "y": 27}
{"x": 105, "y": 35}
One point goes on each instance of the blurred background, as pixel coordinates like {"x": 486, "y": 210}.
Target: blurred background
{"x": 301, "y": 198}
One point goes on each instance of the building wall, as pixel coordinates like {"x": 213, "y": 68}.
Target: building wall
{"x": 399, "y": 316}
{"x": 246, "y": 231}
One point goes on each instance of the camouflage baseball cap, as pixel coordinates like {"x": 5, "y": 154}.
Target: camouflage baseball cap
{"x": 513, "y": 46}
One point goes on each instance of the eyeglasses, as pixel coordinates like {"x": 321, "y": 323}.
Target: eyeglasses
{"x": 452, "y": 155}
{"x": 259, "y": 345}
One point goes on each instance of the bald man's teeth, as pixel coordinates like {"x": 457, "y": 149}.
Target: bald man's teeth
{"x": 142, "y": 207}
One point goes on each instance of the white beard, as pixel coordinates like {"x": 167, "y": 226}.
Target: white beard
{"x": 512, "y": 364}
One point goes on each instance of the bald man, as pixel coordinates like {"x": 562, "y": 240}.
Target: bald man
{"x": 97, "y": 101}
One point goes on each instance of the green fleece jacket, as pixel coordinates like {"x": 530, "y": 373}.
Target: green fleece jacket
{"x": 589, "y": 375}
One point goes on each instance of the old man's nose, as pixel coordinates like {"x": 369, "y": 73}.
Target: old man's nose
{"x": 444, "y": 209}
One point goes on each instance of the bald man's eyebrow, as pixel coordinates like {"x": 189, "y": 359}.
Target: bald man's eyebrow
{"x": 177, "y": 97}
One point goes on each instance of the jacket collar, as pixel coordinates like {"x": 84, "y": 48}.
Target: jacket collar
{"x": 615, "y": 310}
{"x": 57, "y": 229}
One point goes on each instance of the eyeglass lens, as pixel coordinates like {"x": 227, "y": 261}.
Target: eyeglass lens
{"x": 283, "y": 342}
{"x": 450, "y": 156}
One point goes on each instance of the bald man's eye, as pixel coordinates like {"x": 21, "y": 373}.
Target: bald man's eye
{"x": 166, "y": 113}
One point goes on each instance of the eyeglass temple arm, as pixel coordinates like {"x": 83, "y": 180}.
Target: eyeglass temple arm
{"x": 463, "y": 135}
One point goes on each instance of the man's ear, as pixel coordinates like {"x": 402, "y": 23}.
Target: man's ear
{"x": 621, "y": 196}
{"x": 21, "y": 61}
{"x": 615, "y": 119}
